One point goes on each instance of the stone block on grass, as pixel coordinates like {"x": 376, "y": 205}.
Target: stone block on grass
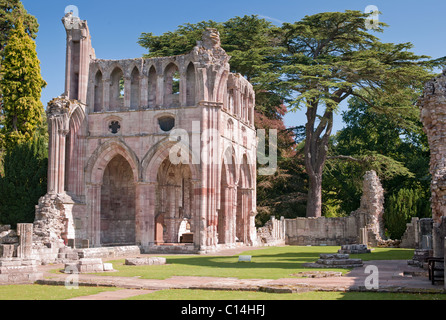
{"x": 145, "y": 261}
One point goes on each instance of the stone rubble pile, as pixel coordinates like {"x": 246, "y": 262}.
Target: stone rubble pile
{"x": 18, "y": 271}
{"x": 335, "y": 260}
{"x": 88, "y": 265}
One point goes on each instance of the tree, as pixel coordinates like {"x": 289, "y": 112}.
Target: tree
{"x": 402, "y": 207}
{"x": 24, "y": 180}
{"x": 21, "y": 84}
{"x": 330, "y": 57}
{"x": 12, "y": 13}
{"x": 395, "y": 147}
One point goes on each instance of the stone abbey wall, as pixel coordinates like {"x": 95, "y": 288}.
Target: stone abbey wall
{"x": 150, "y": 152}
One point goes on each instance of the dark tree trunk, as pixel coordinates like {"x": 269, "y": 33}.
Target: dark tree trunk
{"x": 314, "y": 201}
{"x": 316, "y": 147}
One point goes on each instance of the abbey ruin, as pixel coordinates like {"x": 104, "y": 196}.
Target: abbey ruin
{"x": 158, "y": 153}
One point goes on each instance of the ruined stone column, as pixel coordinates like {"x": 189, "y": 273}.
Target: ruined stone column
{"x": 58, "y": 126}
{"x": 106, "y": 95}
{"x": 79, "y": 53}
{"x": 127, "y": 93}
{"x": 433, "y": 116}
{"x": 25, "y": 233}
{"x": 145, "y": 214}
{"x": 94, "y": 213}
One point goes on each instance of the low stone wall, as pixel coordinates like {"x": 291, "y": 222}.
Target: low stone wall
{"x": 173, "y": 249}
{"x": 318, "y": 231}
{"x": 363, "y": 225}
{"x": 273, "y": 233}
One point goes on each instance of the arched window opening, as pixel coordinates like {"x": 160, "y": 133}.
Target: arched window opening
{"x": 135, "y": 90}
{"x": 116, "y": 90}
{"x": 172, "y": 86}
{"x": 98, "y": 92}
{"x": 152, "y": 87}
{"x": 166, "y": 123}
{"x": 190, "y": 85}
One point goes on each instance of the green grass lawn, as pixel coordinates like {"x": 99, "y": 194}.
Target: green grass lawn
{"x": 42, "y": 292}
{"x": 268, "y": 263}
{"x": 313, "y": 295}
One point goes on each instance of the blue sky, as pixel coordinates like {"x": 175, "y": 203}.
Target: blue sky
{"x": 116, "y": 26}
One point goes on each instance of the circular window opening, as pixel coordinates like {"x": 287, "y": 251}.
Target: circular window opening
{"x": 114, "y": 127}
{"x": 166, "y": 123}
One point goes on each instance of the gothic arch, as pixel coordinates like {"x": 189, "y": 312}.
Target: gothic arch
{"x": 171, "y": 85}
{"x": 155, "y": 157}
{"x": 222, "y": 87}
{"x": 244, "y": 200}
{"x": 152, "y": 86}
{"x": 116, "y": 99}
{"x": 104, "y": 154}
{"x": 191, "y": 85}
{"x": 135, "y": 88}
{"x": 98, "y": 99}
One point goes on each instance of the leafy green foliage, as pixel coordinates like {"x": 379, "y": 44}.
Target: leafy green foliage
{"x": 397, "y": 150}
{"x": 21, "y": 85}
{"x": 402, "y": 207}
{"x": 332, "y": 56}
{"x": 24, "y": 180}
{"x": 13, "y": 13}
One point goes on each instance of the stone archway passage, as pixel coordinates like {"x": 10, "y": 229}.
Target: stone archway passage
{"x": 118, "y": 204}
{"x": 174, "y": 201}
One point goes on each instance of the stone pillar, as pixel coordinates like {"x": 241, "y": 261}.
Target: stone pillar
{"x": 363, "y": 239}
{"x": 160, "y": 91}
{"x": 127, "y": 92}
{"x": 169, "y": 218}
{"x": 106, "y": 95}
{"x": 58, "y": 127}
{"x": 94, "y": 213}
{"x": 144, "y": 92}
{"x": 145, "y": 214}
{"x": 433, "y": 116}
{"x": 25, "y": 233}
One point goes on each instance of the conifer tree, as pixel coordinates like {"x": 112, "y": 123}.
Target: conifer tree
{"x": 331, "y": 57}
{"x": 21, "y": 84}
{"x": 24, "y": 180}
{"x": 11, "y": 11}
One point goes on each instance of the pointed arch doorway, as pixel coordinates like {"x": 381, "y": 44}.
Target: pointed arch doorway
{"x": 118, "y": 199}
